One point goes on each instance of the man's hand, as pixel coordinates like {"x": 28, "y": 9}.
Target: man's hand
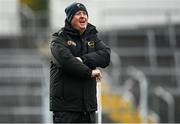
{"x": 96, "y": 73}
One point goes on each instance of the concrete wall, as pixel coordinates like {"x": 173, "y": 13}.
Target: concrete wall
{"x": 9, "y": 18}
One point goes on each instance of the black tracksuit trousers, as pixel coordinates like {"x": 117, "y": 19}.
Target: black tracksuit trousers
{"x": 74, "y": 117}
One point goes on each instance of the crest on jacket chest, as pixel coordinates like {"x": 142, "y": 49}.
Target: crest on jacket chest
{"x": 91, "y": 44}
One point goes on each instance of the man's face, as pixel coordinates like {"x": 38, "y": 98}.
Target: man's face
{"x": 80, "y": 20}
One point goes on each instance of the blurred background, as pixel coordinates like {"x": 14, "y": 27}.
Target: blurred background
{"x": 142, "y": 83}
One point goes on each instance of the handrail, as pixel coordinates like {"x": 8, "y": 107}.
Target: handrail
{"x": 171, "y": 31}
{"x": 127, "y": 94}
{"x": 116, "y": 74}
{"x": 152, "y": 48}
{"x": 47, "y": 116}
{"x": 116, "y": 67}
{"x": 168, "y": 98}
{"x": 29, "y": 31}
{"x": 177, "y": 68}
{"x": 140, "y": 77}
{"x": 154, "y": 115}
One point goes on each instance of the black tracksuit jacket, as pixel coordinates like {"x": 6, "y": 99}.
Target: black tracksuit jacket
{"x": 71, "y": 86}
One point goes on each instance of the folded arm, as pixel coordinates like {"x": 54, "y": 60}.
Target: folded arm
{"x": 65, "y": 60}
{"x": 99, "y": 58}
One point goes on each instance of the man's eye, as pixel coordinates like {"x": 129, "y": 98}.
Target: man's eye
{"x": 78, "y": 13}
{"x": 84, "y": 13}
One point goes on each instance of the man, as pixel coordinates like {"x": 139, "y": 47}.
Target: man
{"x": 76, "y": 54}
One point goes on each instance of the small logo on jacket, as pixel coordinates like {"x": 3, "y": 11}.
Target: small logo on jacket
{"x": 91, "y": 43}
{"x": 70, "y": 43}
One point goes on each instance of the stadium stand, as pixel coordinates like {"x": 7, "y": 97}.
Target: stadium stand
{"x": 23, "y": 87}
{"x": 153, "y": 51}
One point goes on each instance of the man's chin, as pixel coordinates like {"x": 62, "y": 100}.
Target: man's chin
{"x": 83, "y": 27}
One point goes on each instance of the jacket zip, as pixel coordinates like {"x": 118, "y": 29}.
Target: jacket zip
{"x": 82, "y": 42}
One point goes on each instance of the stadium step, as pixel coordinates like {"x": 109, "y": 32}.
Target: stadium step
{"x": 22, "y": 87}
{"x": 23, "y": 114}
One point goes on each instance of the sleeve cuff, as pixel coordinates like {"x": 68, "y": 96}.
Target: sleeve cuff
{"x": 83, "y": 59}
